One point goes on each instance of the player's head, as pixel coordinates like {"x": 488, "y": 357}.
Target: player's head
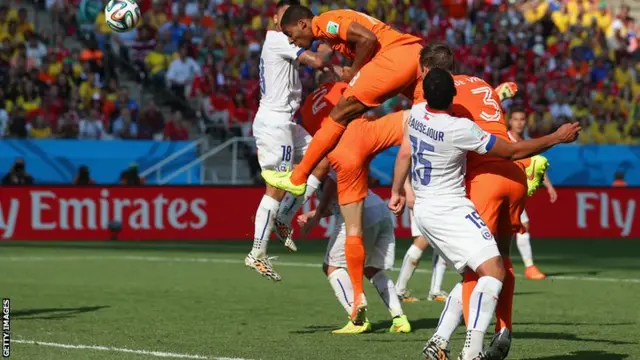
{"x": 437, "y": 55}
{"x": 439, "y": 89}
{"x": 325, "y": 77}
{"x": 281, "y": 7}
{"x": 296, "y": 24}
{"x": 517, "y": 120}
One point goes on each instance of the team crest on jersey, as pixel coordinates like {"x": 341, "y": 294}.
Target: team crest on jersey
{"x": 333, "y": 28}
{"x": 486, "y": 234}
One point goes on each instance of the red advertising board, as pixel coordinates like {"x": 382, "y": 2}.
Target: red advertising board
{"x": 222, "y": 213}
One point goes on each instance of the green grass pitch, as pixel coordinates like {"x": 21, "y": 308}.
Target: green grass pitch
{"x": 198, "y": 301}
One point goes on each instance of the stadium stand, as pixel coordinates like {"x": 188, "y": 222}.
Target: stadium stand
{"x": 572, "y": 59}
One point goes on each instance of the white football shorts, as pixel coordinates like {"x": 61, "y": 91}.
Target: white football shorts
{"x": 379, "y": 245}
{"x": 280, "y": 141}
{"x": 456, "y": 232}
{"x": 524, "y": 217}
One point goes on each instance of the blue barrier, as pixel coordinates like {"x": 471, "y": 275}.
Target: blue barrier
{"x": 571, "y": 165}
{"x": 57, "y": 161}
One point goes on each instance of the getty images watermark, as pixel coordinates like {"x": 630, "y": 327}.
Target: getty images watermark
{"x": 6, "y": 327}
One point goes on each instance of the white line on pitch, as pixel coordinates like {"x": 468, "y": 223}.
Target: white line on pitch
{"x": 124, "y": 350}
{"x": 277, "y": 263}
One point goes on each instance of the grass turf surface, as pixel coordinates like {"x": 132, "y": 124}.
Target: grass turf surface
{"x": 199, "y": 299}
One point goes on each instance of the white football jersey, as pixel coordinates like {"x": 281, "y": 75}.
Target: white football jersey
{"x": 439, "y": 145}
{"x": 279, "y": 74}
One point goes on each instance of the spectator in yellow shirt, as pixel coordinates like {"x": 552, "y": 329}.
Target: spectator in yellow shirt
{"x": 40, "y": 129}
{"x": 595, "y": 130}
{"x": 561, "y": 19}
{"x": 156, "y": 63}
{"x": 11, "y": 33}
{"x": 603, "y": 16}
{"x": 24, "y": 25}
{"x": 87, "y": 89}
{"x": 623, "y": 74}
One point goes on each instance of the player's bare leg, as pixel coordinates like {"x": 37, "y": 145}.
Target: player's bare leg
{"x": 290, "y": 205}
{"x": 323, "y": 142}
{"x": 355, "y": 256}
{"x": 264, "y": 222}
{"x": 409, "y": 265}
{"x": 523, "y": 242}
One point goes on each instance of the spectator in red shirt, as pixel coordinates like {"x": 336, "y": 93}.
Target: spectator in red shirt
{"x": 176, "y": 128}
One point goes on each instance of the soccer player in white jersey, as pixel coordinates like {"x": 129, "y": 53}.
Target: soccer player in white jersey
{"x": 412, "y": 259}
{"x": 517, "y": 127}
{"x": 434, "y": 149}
{"x": 379, "y": 242}
{"x": 280, "y": 141}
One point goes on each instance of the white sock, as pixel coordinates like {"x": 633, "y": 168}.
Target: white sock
{"x": 482, "y": 306}
{"x": 265, "y": 218}
{"x": 342, "y": 287}
{"x": 291, "y": 204}
{"x": 409, "y": 264}
{"x": 439, "y": 267}
{"x": 387, "y": 292}
{"x": 524, "y": 246}
{"x": 450, "y": 317}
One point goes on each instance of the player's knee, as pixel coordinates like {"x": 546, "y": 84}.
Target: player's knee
{"x": 370, "y": 272}
{"x": 493, "y": 267}
{"x": 275, "y": 193}
{"x": 525, "y": 226}
{"x": 421, "y": 243}
{"x": 327, "y": 270}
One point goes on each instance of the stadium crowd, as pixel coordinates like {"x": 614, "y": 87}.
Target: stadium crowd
{"x": 572, "y": 60}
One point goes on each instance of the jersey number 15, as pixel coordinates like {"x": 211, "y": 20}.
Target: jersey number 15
{"x": 419, "y": 149}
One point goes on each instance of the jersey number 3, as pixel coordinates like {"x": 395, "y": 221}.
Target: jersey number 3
{"x": 489, "y": 101}
{"x": 419, "y": 149}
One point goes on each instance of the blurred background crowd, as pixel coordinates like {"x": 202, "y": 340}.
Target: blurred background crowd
{"x": 198, "y": 62}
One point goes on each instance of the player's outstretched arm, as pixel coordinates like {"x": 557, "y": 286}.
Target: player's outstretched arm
{"x": 400, "y": 172}
{"x": 567, "y": 133}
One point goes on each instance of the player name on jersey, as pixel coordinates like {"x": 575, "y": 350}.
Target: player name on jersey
{"x": 426, "y": 130}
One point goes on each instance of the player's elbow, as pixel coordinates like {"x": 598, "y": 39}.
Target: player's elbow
{"x": 368, "y": 40}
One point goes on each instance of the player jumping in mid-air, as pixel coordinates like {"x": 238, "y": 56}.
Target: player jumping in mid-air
{"x": 379, "y": 241}
{"x": 278, "y": 138}
{"x": 385, "y": 63}
{"x": 412, "y": 258}
{"x": 434, "y": 151}
{"x": 517, "y": 127}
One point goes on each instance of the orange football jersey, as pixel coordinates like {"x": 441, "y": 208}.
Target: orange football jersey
{"x": 478, "y": 101}
{"x": 319, "y": 104}
{"x": 332, "y": 26}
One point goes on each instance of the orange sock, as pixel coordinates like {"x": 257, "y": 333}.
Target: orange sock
{"x": 504, "y": 308}
{"x": 325, "y": 139}
{"x": 468, "y": 284}
{"x": 354, "y": 253}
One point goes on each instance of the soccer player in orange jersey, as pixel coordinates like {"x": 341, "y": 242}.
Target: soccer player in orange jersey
{"x": 361, "y": 141}
{"x": 496, "y": 186}
{"x": 385, "y": 63}
{"x": 517, "y": 127}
